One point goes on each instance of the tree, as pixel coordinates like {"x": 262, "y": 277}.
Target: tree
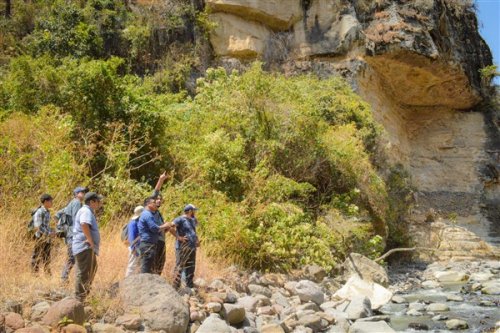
{"x": 8, "y": 8}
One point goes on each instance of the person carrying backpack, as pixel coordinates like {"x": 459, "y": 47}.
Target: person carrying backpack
{"x": 133, "y": 241}
{"x": 43, "y": 235}
{"x": 66, "y": 217}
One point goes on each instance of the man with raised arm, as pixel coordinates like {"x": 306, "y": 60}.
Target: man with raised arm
{"x": 160, "y": 255}
{"x": 149, "y": 233}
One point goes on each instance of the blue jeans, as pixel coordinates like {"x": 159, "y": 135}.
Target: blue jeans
{"x": 185, "y": 262}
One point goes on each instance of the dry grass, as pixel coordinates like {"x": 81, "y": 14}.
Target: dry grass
{"x": 19, "y": 284}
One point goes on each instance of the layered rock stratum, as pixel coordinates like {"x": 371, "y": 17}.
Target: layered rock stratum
{"x": 417, "y": 63}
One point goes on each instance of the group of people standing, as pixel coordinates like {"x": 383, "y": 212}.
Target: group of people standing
{"x": 146, "y": 238}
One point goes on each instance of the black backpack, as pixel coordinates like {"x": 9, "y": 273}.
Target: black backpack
{"x": 31, "y": 223}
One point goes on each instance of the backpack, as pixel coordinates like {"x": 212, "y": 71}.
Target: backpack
{"x": 31, "y": 223}
{"x": 124, "y": 234}
{"x": 63, "y": 223}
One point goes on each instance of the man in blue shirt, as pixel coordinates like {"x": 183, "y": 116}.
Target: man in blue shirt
{"x": 149, "y": 233}
{"x": 185, "y": 246}
{"x": 86, "y": 242}
{"x": 133, "y": 241}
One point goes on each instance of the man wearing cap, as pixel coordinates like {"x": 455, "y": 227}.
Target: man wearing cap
{"x": 185, "y": 246}
{"x": 86, "y": 241}
{"x": 133, "y": 241}
{"x": 70, "y": 211}
{"x": 149, "y": 233}
{"x": 43, "y": 235}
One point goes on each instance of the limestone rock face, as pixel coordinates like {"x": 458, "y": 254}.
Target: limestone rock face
{"x": 417, "y": 64}
{"x": 158, "y": 304}
{"x": 276, "y": 14}
{"x": 237, "y": 37}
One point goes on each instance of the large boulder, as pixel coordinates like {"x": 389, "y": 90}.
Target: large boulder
{"x": 356, "y": 287}
{"x": 214, "y": 324}
{"x": 277, "y": 14}
{"x": 158, "y": 304}
{"x": 309, "y": 291}
{"x": 369, "y": 327}
{"x": 358, "y": 265}
{"x": 68, "y": 307}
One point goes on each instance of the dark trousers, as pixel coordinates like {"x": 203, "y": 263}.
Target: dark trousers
{"x": 160, "y": 257}
{"x": 185, "y": 262}
{"x": 147, "y": 253}
{"x": 41, "y": 255}
{"x": 86, "y": 267}
{"x": 70, "y": 261}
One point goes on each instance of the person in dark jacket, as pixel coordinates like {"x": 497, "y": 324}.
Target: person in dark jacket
{"x": 185, "y": 246}
{"x": 70, "y": 215}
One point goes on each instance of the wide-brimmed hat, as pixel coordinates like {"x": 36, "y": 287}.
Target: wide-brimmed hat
{"x": 137, "y": 212}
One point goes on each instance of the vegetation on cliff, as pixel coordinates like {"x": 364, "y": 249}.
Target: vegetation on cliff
{"x": 283, "y": 168}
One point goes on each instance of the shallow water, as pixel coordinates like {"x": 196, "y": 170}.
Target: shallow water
{"x": 480, "y": 318}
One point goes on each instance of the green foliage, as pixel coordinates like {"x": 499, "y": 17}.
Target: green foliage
{"x": 65, "y": 31}
{"x": 281, "y": 167}
{"x": 37, "y": 155}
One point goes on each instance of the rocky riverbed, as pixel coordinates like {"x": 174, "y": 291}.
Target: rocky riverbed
{"x": 441, "y": 297}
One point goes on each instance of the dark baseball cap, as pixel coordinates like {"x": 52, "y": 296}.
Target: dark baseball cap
{"x": 92, "y": 196}
{"x": 190, "y": 207}
{"x": 45, "y": 197}
{"x": 80, "y": 189}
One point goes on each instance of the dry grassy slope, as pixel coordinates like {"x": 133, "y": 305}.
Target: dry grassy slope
{"x": 17, "y": 283}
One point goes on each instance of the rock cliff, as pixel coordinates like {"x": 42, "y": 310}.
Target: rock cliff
{"x": 416, "y": 63}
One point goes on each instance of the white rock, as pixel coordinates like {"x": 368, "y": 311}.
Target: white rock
{"x": 437, "y": 307}
{"x": 214, "y": 324}
{"x": 481, "y": 277}
{"x": 450, "y": 276}
{"x": 430, "y": 284}
{"x": 370, "y": 327}
{"x": 454, "y": 298}
{"x": 356, "y": 287}
{"x": 416, "y": 306}
{"x": 360, "y": 307}
{"x": 457, "y": 324}
{"x": 413, "y": 312}
{"x": 491, "y": 287}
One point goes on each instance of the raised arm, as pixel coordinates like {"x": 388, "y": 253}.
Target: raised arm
{"x": 160, "y": 181}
